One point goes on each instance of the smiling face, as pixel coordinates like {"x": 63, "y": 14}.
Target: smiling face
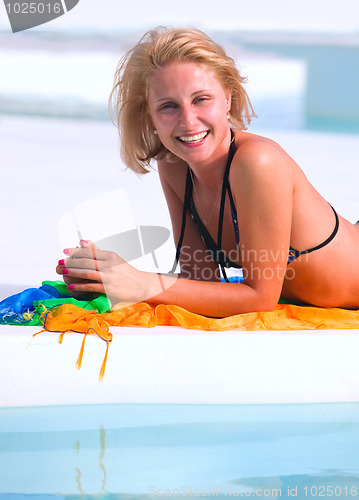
{"x": 188, "y": 108}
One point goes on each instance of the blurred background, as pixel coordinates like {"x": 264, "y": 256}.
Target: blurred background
{"x": 59, "y": 149}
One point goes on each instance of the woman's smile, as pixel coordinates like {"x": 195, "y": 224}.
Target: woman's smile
{"x": 194, "y": 139}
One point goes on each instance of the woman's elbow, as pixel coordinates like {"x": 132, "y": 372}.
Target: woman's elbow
{"x": 263, "y": 301}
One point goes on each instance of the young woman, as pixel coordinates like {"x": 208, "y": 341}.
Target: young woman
{"x": 235, "y": 199}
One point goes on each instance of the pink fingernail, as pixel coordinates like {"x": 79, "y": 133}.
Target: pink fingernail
{"x": 84, "y": 241}
{"x": 65, "y": 271}
{"x": 67, "y": 251}
{"x": 61, "y": 262}
{"x": 71, "y": 287}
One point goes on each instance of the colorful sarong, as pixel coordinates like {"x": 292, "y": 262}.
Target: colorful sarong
{"x": 63, "y": 314}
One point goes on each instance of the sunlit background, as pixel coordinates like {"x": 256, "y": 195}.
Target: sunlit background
{"x": 59, "y": 148}
{"x": 59, "y": 156}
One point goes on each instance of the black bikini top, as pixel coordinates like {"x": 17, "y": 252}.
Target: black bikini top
{"x": 218, "y": 254}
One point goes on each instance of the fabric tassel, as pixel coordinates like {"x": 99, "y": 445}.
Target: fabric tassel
{"x": 81, "y": 353}
{"x": 33, "y": 336}
{"x": 103, "y": 366}
{"x": 69, "y": 317}
{"x": 61, "y": 337}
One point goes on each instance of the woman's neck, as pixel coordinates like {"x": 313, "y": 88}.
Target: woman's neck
{"x": 209, "y": 175}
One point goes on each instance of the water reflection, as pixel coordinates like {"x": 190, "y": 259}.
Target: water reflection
{"x": 123, "y": 452}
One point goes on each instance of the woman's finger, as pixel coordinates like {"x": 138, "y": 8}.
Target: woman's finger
{"x": 59, "y": 269}
{"x": 86, "y": 287}
{"x": 85, "y": 243}
{"x": 91, "y": 252}
{"x": 87, "y": 264}
{"x": 82, "y": 274}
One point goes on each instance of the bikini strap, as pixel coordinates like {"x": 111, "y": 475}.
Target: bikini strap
{"x": 225, "y": 188}
{"x": 298, "y": 253}
{"x": 233, "y": 213}
{"x": 186, "y": 202}
{"x": 329, "y": 239}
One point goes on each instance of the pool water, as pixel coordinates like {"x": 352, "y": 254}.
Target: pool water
{"x": 145, "y": 451}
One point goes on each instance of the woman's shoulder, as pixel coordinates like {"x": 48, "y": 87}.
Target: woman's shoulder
{"x": 248, "y": 145}
{"x": 172, "y": 173}
{"x": 257, "y": 155}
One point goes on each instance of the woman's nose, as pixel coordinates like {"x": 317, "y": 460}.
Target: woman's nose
{"x": 187, "y": 117}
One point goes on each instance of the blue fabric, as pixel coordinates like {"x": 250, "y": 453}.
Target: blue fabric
{"x": 49, "y": 294}
{"x": 233, "y": 279}
{"x": 58, "y": 293}
{"x": 12, "y": 308}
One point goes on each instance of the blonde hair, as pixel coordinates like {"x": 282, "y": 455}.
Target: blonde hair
{"x": 128, "y": 99}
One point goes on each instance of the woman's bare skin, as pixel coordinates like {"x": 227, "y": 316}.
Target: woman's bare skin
{"x": 324, "y": 277}
{"x": 276, "y": 208}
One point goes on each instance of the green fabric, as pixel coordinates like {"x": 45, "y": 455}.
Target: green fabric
{"x": 290, "y": 302}
{"x": 101, "y": 304}
{"x": 59, "y": 285}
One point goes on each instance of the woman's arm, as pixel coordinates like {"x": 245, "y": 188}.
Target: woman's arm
{"x": 262, "y": 184}
{"x": 262, "y": 181}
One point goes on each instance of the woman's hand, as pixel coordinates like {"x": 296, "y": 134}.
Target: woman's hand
{"x": 91, "y": 270}
{"x": 71, "y": 280}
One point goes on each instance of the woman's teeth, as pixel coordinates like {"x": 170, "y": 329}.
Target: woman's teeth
{"x": 193, "y": 138}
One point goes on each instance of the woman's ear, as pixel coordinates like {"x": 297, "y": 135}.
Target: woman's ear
{"x": 229, "y": 101}
{"x": 150, "y": 121}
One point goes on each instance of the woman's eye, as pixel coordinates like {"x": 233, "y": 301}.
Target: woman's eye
{"x": 169, "y": 105}
{"x": 201, "y": 99}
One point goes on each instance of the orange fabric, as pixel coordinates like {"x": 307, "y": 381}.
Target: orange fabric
{"x": 68, "y": 317}
{"x": 284, "y": 317}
